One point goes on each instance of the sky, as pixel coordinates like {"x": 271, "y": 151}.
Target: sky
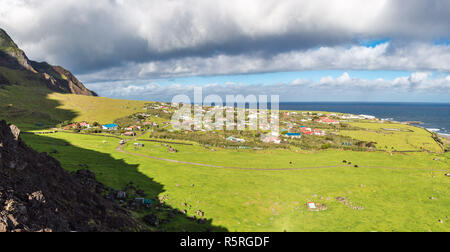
{"x": 321, "y": 50}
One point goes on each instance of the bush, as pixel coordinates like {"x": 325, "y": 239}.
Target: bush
{"x": 325, "y": 146}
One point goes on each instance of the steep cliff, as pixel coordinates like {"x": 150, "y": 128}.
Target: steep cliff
{"x": 55, "y": 78}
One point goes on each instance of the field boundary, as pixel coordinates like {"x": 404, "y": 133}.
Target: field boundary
{"x": 166, "y": 142}
{"x": 120, "y": 149}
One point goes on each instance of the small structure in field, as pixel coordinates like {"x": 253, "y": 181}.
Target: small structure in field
{"x": 144, "y": 201}
{"x": 138, "y": 145}
{"x": 172, "y": 150}
{"x": 316, "y": 207}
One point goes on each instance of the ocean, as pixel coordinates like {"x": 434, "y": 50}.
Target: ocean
{"x": 435, "y": 116}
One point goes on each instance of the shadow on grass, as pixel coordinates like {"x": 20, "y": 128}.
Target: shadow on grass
{"x": 24, "y": 101}
{"x": 117, "y": 174}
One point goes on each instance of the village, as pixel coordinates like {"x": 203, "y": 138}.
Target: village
{"x": 307, "y": 130}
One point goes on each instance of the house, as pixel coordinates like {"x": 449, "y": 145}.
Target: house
{"x": 347, "y": 117}
{"x": 293, "y": 135}
{"x": 110, "y": 127}
{"x": 71, "y": 126}
{"x": 306, "y": 130}
{"x": 270, "y": 139}
{"x": 85, "y": 124}
{"x": 235, "y": 140}
{"x": 318, "y": 132}
{"x": 134, "y": 127}
{"x": 367, "y": 117}
{"x": 327, "y": 120}
{"x": 129, "y": 133}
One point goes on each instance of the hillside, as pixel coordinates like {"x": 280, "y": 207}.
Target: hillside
{"x": 96, "y": 109}
{"x": 26, "y": 84}
{"x": 10, "y": 54}
{"x": 56, "y": 78}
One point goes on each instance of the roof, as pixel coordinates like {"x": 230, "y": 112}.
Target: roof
{"x": 326, "y": 119}
{"x": 293, "y": 134}
{"x": 111, "y": 125}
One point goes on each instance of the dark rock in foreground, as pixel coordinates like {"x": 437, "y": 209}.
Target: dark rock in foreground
{"x": 36, "y": 194}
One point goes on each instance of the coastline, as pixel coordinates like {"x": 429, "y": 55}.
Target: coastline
{"x": 446, "y": 136}
{"x": 431, "y": 116}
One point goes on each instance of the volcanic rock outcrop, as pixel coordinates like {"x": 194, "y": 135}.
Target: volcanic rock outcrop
{"x": 36, "y": 194}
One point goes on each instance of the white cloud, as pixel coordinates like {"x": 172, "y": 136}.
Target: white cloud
{"x": 299, "y": 89}
{"x": 416, "y": 57}
{"x": 141, "y": 38}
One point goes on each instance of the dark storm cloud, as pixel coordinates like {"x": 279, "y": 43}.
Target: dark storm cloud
{"x": 417, "y": 19}
{"x": 89, "y": 37}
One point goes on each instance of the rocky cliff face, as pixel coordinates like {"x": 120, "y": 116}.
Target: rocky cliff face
{"x": 61, "y": 80}
{"x": 36, "y": 194}
{"x": 56, "y": 78}
{"x": 10, "y": 54}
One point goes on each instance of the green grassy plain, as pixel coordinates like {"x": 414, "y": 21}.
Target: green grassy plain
{"x": 283, "y": 159}
{"x": 97, "y": 109}
{"x": 255, "y": 200}
{"x": 394, "y": 136}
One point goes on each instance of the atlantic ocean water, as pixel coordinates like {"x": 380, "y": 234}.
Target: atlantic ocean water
{"x": 435, "y": 116}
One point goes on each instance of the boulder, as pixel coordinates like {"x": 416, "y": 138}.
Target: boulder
{"x": 121, "y": 195}
{"x": 15, "y": 132}
{"x": 151, "y": 220}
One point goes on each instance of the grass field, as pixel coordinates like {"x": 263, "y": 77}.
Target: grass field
{"x": 251, "y": 200}
{"x": 96, "y": 109}
{"x": 273, "y": 159}
{"x": 395, "y": 136}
